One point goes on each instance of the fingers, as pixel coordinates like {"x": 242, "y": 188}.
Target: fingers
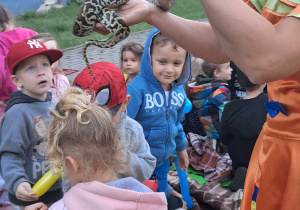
{"x": 37, "y": 206}
{"x": 100, "y": 29}
{"x": 184, "y": 204}
{"x": 25, "y": 193}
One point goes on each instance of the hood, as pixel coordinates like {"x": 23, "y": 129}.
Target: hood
{"x": 146, "y": 67}
{"x": 18, "y": 97}
{"x": 122, "y": 194}
{"x": 204, "y": 86}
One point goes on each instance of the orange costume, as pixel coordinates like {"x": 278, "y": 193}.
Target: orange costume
{"x": 273, "y": 177}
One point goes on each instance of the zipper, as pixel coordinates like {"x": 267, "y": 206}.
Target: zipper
{"x": 167, "y": 117}
{"x": 168, "y": 114}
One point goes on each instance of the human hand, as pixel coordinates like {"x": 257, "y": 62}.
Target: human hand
{"x": 183, "y": 205}
{"x": 37, "y": 206}
{"x": 132, "y": 12}
{"x": 183, "y": 159}
{"x": 24, "y": 192}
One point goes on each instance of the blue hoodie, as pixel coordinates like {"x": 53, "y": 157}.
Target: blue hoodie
{"x": 161, "y": 122}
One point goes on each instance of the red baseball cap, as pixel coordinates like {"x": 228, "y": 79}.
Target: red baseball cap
{"x": 27, "y": 48}
{"x": 109, "y": 89}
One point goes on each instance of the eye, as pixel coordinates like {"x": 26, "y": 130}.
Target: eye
{"x": 177, "y": 63}
{"x": 133, "y": 60}
{"x": 162, "y": 61}
{"x": 124, "y": 60}
{"x": 30, "y": 68}
{"x": 45, "y": 65}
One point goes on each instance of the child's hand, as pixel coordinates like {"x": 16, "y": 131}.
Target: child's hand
{"x": 183, "y": 159}
{"x": 25, "y": 193}
{"x": 37, "y": 206}
{"x": 183, "y": 205}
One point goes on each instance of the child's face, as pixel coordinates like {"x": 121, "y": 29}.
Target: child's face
{"x": 167, "y": 63}
{"x": 51, "y": 44}
{"x": 34, "y": 76}
{"x": 225, "y": 71}
{"x": 131, "y": 63}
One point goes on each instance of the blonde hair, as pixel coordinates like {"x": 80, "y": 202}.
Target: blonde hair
{"x": 45, "y": 37}
{"x": 196, "y": 70}
{"x": 83, "y": 129}
{"x": 197, "y": 67}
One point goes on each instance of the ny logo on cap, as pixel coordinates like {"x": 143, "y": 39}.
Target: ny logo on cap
{"x": 34, "y": 43}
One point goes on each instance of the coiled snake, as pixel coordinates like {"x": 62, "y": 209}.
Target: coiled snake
{"x": 93, "y": 11}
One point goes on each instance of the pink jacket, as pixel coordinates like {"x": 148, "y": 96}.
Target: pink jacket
{"x": 96, "y": 196}
{"x": 8, "y": 38}
{"x": 60, "y": 83}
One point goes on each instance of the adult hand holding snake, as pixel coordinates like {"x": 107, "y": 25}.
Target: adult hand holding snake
{"x": 92, "y": 11}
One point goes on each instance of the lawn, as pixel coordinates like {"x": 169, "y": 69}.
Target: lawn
{"x": 59, "y": 22}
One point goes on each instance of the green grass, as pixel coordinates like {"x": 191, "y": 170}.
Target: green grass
{"x": 59, "y": 22}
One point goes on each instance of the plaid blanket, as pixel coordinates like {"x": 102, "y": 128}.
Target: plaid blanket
{"x": 204, "y": 157}
{"x": 210, "y": 196}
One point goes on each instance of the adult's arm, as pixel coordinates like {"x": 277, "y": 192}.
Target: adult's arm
{"x": 196, "y": 37}
{"x": 263, "y": 51}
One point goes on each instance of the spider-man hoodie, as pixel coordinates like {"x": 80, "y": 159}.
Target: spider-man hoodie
{"x": 160, "y": 119}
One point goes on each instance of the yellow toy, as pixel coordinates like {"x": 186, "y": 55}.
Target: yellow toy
{"x": 44, "y": 183}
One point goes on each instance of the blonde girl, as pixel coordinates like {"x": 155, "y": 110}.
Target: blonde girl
{"x": 83, "y": 142}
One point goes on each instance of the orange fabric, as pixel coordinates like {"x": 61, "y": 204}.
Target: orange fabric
{"x": 274, "y": 166}
{"x": 296, "y": 10}
{"x": 272, "y": 16}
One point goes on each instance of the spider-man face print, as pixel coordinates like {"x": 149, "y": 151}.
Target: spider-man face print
{"x": 109, "y": 89}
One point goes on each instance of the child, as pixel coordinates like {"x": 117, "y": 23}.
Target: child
{"x": 236, "y": 90}
{"x": 209, "y": 95}
{"x": 158, "y": 99}
{"x": 191, "y": 122}
{"x": 131, "y": 54}
{"x": 8, "y": 36}
{"x": 109, "y": 90}
{"x": 241, "y": 124}
{"x": 92, "y": 159}
{"x": 60, "y": 81}
{"x": 22, "y": 149}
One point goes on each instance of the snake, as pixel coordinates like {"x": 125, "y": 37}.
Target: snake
{"x": 93, "y": 11}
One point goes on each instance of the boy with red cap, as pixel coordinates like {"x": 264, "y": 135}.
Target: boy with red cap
{"x": 23, "y": 150}
{"x": 109, "y": 90}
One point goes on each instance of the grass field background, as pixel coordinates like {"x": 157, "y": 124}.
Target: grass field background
{"x": 59, "y": 22}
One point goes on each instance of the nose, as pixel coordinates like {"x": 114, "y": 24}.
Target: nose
{"x": 41, "y": 71}
{"x": 169, "y": 68}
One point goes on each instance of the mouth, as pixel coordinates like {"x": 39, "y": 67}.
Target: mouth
{"x": 168, "y": 77}
{"x": 42, "y": 82}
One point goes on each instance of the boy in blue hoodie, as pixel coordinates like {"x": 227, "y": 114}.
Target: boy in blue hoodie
{"x": 158, "y": 99}
{"x": 23, "y": 149}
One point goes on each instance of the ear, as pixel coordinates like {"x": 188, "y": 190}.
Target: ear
{"x": 16, "y": 81}
{"x": 73, "y": 163}
{"x": 125, "y": 103}
{"x": 216, "y": 73}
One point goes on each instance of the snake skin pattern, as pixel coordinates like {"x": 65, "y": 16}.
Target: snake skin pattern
{"x": 93, "y": 11}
